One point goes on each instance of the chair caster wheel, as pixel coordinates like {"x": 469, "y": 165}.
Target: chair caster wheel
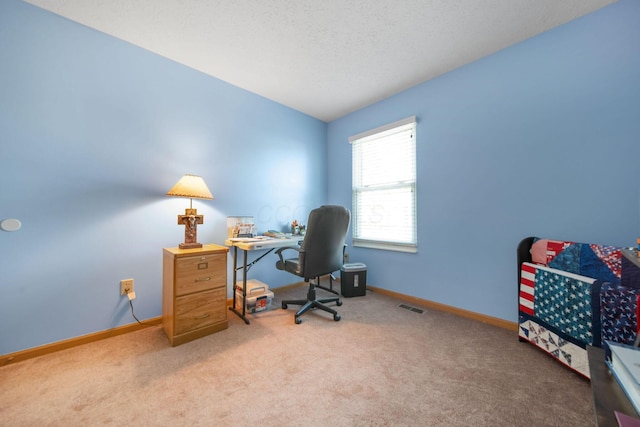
{"x": 336, "y": 317}
{"x": 338, "y": 303}
{"x": 298, "y": 320}
{"x": 284, "y": 306}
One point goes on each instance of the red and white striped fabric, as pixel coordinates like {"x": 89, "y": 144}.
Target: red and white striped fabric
{"x": 527, "y": 282}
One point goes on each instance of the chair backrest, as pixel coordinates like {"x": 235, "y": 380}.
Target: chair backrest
{"x": 322, "y": 249}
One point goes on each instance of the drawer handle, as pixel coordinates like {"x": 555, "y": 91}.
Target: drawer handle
{"x": 204, "y": 316}
{"x": 203, "y": 279}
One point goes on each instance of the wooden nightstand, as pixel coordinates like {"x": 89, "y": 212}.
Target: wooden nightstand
{"x": 194, "y": 292}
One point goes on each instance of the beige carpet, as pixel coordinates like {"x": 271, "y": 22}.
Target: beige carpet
{"x": 381, "y": 365}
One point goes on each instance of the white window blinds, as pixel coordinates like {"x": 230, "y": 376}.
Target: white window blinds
{"x": 384, "y": 187}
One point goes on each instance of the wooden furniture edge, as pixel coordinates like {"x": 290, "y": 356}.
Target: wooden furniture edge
{"x": 203, "y": 332}
{"x": 30, "y": 353}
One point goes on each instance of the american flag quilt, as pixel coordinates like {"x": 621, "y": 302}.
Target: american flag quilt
{"x": 556, "y": 313}
{"x": 582, "y": 296}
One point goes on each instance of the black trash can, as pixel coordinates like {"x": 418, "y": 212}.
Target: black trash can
{"x": 353, "y": 280}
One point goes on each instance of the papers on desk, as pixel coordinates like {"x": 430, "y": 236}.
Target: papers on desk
{"x": 250, "y": 239}
{"x": 240, "y": 226}
{"x": 274, "y": 233}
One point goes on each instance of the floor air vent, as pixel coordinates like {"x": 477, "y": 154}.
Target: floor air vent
{"x": 414, "y": 309}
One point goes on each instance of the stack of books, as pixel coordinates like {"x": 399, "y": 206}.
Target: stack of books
{"x": 625, "y": 366}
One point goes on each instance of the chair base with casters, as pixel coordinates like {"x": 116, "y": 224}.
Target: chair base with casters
{"x": 321, "y": 252}
{"x": 313, "y": 301}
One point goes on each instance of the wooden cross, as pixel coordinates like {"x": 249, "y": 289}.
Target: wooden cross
{"x": 190, "y": 219}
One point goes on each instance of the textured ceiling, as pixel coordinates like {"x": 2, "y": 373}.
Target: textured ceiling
{"x": 325, "y": 58}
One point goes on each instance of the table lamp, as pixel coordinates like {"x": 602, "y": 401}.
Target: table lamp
{"x": 190, "y": 186}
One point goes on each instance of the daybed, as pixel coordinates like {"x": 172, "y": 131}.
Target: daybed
{"x": 576, "y": 294}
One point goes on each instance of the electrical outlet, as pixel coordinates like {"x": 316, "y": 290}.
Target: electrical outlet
{"x": 346, "y": 257}
{"x": 126, "y": 286}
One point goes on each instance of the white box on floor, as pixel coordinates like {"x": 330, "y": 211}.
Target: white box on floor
{"x": 253, "y": 286}
{"x": 258, "y": 296}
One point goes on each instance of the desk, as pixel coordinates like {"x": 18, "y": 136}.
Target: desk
{"x": 253, "y": 244}
{"x": 607, "y": 394}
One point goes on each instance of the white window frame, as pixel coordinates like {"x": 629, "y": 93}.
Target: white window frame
{"x": 374, "y": 226}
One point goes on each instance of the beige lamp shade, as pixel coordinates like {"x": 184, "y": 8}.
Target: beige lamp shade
{"x": 191, "y": 186}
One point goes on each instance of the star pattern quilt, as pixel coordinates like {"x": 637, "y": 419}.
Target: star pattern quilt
{"x": 572, "y": 296}
{"x": 556, "y": 313}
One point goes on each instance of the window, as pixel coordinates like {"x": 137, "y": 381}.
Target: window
{"x": 384, "y": 187}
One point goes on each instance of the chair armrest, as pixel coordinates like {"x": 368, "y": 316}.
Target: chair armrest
{"x": 284, "y": 248}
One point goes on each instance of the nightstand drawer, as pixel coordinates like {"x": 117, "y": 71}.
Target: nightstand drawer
{"x": 197, "y": 273}
{"x": 194, "y": 292}
{"x": 200, "y": 310}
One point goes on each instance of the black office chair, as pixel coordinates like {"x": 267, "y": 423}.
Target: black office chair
{"x": 321, "y": 252}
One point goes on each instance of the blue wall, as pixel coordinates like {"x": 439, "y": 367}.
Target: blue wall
{"x": 542, "y": 138}
{"x": 93, "y": 132}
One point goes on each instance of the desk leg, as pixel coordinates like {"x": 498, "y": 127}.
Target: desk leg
{"x": 244, "y": 284}
{"x": 235, "y": 273}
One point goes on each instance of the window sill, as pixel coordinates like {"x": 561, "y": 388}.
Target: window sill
{"x": 389, "y": 246}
